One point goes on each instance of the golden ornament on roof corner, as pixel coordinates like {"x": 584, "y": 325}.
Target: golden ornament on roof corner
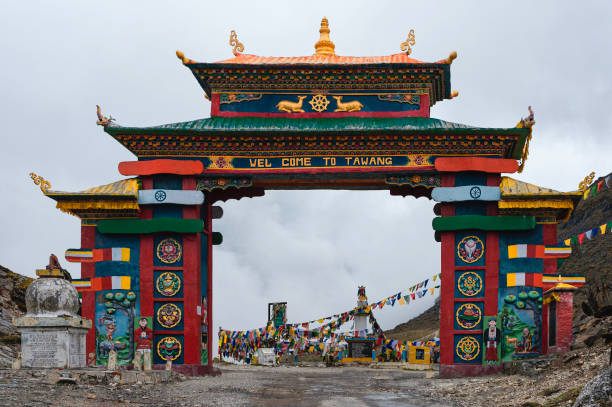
{"x": 451, "y": 57}
{"x": 454, "y": 94}
{"x": 102, "y": 120}
{"x": 526, "y": 123}
{"x": 233, "y": 42}
{"x": 38, "y": 180}
{"x": 324, "y": 46}
{"x": 407, "y": 45}
{"x": 584, "y": 184}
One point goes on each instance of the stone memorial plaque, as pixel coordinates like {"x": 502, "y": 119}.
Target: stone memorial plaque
{"x": 42, "y": 349}
{"x": 360, "y": 349}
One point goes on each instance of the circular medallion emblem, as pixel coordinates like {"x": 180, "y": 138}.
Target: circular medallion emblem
{"x": 169, "y": 251}
{"x": 160, "y": 196}
{"x": 319, "y": 103}
{"x": 169, "y": 348}
{"x": 470, "y": 249}
{"x": 468, "y": 348}
{"x": 168, "y": 284}
{"x": 168, "y": 315}
{"x": 469, "y": 284}
{"x": 468, "y": 316}
{"x": 475, "y": 192}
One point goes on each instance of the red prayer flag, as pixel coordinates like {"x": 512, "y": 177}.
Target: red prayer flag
{"x": 581, "y": 238}
{"x": 599, "y": 185}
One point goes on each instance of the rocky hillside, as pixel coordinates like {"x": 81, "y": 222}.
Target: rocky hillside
{"x": 12, "y": 304}
{"x": 426, "y": 324}
{"x": 593, "y": 259}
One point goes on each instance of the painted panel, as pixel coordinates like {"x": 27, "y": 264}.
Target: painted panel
{"x": 470, "y": 248}
{"x": 168, "y": 250}
{"x": 309, "y": 103}
{"x": 469, "y": 283}
{"x": 467, "y": 349}
{"x": 469, "y": 315}
{"x": 168, "y": 347}
{"x": 331, "y": 162}
{"x": 168, "y": 316}
{"x": 520, "y": 317}
{"x": 168, "y": 284}
{"x": 170, "y": 196}
{"x": 115, "y": 312}
{"x": 518, "y": 265}
{"x": 470, "y": 208}
{"x": 120, "y": 268}
{"x": 466, "y": 193}
{"x": 167, "y": 211}
{"x": 470, "y": 178}
{"x": 167, "y": 181}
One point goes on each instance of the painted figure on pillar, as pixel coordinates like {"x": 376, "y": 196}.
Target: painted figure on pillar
{"x": 492, "y": 341}
{"x": 144, "y": 341}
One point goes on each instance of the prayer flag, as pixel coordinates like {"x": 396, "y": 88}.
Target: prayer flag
{"x": 432, "y": 290}
{"x": 602, "y": 228}
{"x": 401, "y": 301}
{"x": 599, "y": 185}
{"x": 568, "y": 242}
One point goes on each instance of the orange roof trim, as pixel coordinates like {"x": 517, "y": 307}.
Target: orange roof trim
{"x": 249, "y": 59}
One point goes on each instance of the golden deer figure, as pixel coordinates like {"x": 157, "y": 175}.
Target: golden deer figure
{"x": 353, "y": 106}
{"x": 291, "y": 107}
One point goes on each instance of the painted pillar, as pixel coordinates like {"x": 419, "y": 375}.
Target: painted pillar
{"x": 88, "y": 304}
{"x": 447, "y": 285}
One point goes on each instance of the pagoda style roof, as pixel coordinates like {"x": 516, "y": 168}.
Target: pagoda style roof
{"x": 127, "y": 188}
{"x": 525, "y": 198}
{"x": 115, "y": 200}
{"x": 343, "y": 124}
{"x": 324, "y": 71}
{"x": 201, "y": 137}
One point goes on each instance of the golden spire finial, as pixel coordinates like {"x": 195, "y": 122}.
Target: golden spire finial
{"x": 584, "y": 184}
{"x": 324, "y": 46}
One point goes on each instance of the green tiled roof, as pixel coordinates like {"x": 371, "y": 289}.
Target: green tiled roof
{"x": 345, "y": 124}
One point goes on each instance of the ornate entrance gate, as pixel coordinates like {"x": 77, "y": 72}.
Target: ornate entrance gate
{"x": 330, "y": 122}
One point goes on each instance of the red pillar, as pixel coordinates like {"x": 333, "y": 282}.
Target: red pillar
{"x": 88, "y": 302}
{"x": 447, "y": 285}
{"x": 565, "y": 316}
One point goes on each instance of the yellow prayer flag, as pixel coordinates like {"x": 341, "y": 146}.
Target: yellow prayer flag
{"x": 603, "y": 229}
{"x": 432, "y": 290}
{"x": 434, "y": 277}
{"x": 401, "y": 301}
{"x": 320, "y": 320}
{"x": 586, "y": 193}
{"x": 568, "y": 242}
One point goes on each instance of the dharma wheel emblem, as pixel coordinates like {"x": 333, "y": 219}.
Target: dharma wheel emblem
{"x": 475, "y": 192}
{"x": 160, "y": 196}
{"x": 319, "y": 103}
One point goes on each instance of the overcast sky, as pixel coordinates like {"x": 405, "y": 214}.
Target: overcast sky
{"x": 309, "y": 248}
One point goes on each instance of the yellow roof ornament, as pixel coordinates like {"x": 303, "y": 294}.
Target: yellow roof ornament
{"x": 38, "y": 180}
{"x": 410, "y": 41}
{"x": 451, "y": 57}
{"x": 103, "y": 120}
{"x": 324, "y": 46}
{"x": 233, "y": 42}
{"x": 183, "y": 58}
{"x": 584, "y": 184}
